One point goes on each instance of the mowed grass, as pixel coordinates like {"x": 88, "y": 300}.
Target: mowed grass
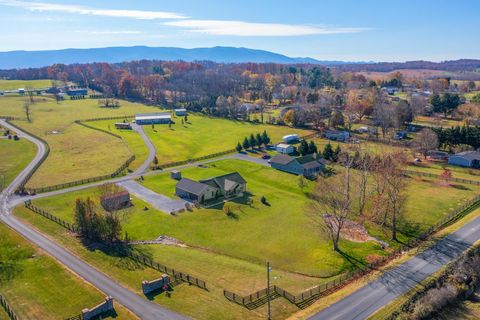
{"x": 42, "y": 289}
{"x": 16, "y": 84}
{"x": 202, "y": 136}
{"x": 439, "y": 167}
{"x": 14, "y": 157}
{"x": 76, "y": 152}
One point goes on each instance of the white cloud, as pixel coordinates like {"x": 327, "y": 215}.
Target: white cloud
{"x": 76, "y": 9}
{"x": 113, "y": 32}
{"x": 250, "y": 29}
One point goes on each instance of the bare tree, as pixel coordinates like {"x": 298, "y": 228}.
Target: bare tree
{"x": 425, "y": 141}
{"x": 364, "y": 166}
{"x": 332, "y": 201}
{"x": 26, "y": 109}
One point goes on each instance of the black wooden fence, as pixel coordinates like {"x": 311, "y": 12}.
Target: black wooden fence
{"x": 303, "y": 299}
{"x": 8, "y": 310}
{"x": 83, "y": 181}
{"x": 177, "y": 275}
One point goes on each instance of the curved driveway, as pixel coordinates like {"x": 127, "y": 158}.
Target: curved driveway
{"x": 138, "y": 305}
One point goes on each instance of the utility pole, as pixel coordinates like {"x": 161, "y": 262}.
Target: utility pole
{"x": 268, "y": 290}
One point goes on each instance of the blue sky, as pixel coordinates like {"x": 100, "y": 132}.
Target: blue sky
{"x": 353, "y": 30}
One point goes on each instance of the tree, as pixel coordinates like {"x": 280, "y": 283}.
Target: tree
{"x": 336, "y": 153}
{"x": 312, "y": 147}
{"x": 265, "y": 138}
{"x": 446, "y": 176}
{"x": 239, "y": 147}
{"x": 337, "y": 119}
{"x": 252, "y": 141}
{"x": 425, "y": 141}
{"x": 26, "y": 109}
{"x": 289, "y": 117}
{"x": 259, "y": 140}
{"x": 303, "y": 148}
{"x": 363, "y": 164}
{"x": 328, "y": 152}
{"x": 446, "y": 103}
{"x": 155, "y": 160}
{"x": 246, "y": 144}
{"x": 470, "y": 112}
{"x": 332, "y": 201}
{"x": 302, "y": 182}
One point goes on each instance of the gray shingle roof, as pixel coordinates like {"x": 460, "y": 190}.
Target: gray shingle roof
{"x": 282, "y": 159}
{"x": 190, "y": 186}
{"x": 469, "y": 155}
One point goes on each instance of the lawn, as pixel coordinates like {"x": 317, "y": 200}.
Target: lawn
{"x": 199, "y": 137}
{"x": 231, "y": 253}
{"x": 14, "y": 157}
{"x": 41, "y": 288}
{"x": 76, "y": 152}
{"x": 438, "y": 168}
{"x": 15, "y": 84}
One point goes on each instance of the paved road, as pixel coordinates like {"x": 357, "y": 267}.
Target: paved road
{"x": 158, "y": 201}
{"x": 138, "y": 305}
{"x": 373, "y": 296}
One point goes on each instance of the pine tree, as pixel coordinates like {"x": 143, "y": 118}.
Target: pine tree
{"x": 239, "y": 147}
{"x": 312, "y": 147}
{"x": 265, "y": 138}
{"x": 259, "y": 140}
{"x": 303, "y": 149}
{"x": 246, "y": 144}
{"x": 252, "y": 141}
{"x": 336, "y": 153}
{"x": 328, "y": 153}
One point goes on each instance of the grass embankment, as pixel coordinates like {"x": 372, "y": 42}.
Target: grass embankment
{"x": 14, "y": 157}
{"x": 40, "y": 288}
{"x": 76, "y": 152}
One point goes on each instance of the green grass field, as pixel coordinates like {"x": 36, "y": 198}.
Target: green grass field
{"x": 230, "y": 253}
{"x": 14, "y": 157}
{"x": 41, "y": 288}
{"x": 199, "y": 137}
{"x": 76, "y": 152}
{"x": 15, "y": 84}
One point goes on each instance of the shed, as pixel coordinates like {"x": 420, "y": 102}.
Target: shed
{"x": 285, "y": 148}
{"x": 180, "y": 112}
{"x": 153, "y": 118}
{"x": 77, "y": 92}
{"x": 291, "y": 138}
{"x": 176, "y": 175}
{"x": 123, "y": 125}
{"x": 115, "y": 201}
{"x": 337, "y": 135}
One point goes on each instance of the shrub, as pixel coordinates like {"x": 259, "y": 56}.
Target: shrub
{"x": 435, "y": 300}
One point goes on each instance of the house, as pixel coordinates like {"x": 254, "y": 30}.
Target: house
{"x": 115, "y": 201}
{"x": 337, "y": 135}
{"x": 390, "y": 90}
{"x": 249, "y": 107}
{"x": 436, "y": 155}
{"x": 227, "y": 186}
{"x": 123, "y": 125}
{"x": 309, "y": 166}
{"x": 291, "y": 138}
{"x": 285, "y": 148}
{"x": 469, "y": 159}
{"x": 180, "y": 112}
{"x": 77, "y": 92}
{"x": 153, "y": 118}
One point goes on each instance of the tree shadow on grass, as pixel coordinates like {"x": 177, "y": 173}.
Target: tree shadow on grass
{"x": 352, "y": 260}
{"x": 460, "y": 187}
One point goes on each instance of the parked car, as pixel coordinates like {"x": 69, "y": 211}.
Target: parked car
{"x": 266, "y": 156}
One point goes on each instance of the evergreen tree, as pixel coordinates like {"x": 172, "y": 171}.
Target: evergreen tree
{"x": 259, "y": 140}
{"x": 336, "y": 153}
{"x": 328, "y": 152}
{"x": 303, "y": 149}
{"x": 246, "y": 144}
{"x": 239, "y": 147}
{"x": 252, "y": 141}
{"x": 312, "y": 147}
{"x": 265, "y": 138}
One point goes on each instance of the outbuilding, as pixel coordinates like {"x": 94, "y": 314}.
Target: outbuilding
{"x": 180, "y": 112}
{"x": 337, "y": 135}
{"x": 285, "y": 148}
{"x": 291, "y": 138}
{"x": 123, "y": 125}
{"x": 153, "y": 118}
{"x": 77, "y": 92}
{"x": 115, "y": 201}
{"x": 469, "y": 159}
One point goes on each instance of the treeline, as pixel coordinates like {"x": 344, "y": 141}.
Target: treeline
{"x": 454, "y": 65}
{"x": 465, "y": 135}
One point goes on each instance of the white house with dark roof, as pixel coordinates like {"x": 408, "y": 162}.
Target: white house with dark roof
{"x": 230, "y": 185}
{"x": 309, "y": 166}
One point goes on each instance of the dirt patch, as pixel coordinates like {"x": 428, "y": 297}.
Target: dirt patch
{"x": 353, "y": 231}
{"x": 164, "y": 240}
